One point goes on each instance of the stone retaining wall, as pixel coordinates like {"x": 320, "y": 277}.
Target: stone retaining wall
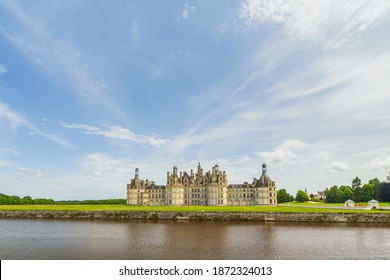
{"x": 216, "y": 216}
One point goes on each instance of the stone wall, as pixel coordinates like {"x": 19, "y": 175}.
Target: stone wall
{"x": 216, "y": 216}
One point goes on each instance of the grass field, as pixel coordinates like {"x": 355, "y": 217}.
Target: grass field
{"x": 309, "y": 203}
{"x": 122, "y": 207}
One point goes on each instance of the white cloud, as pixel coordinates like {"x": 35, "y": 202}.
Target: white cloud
{"x": 28, "y": 170}
{"x": 285, "y": 153}
{"x": 380, "y": 162}
{"x": 331, "y": 23}
{"x": 118, "y": 133}
{"x": 187, "y": 11}
{"x": 101, "y": 164}
{"x": 9, "y": 151}
{"x": 3, "y": 69}
{"x": 15, "y": 121}
{"x": 135, "y": 33}
{"x": 24, "y": 169}
{"x": 338, "y": 166}
{"x": 158, "y": 71}
{"x": 242, "y": 159}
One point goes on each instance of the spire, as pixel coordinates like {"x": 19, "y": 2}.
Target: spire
{"x": 264, "y": 168}
{"x": 136, "y": 173}
{"x": 200, "y": 170}
{"x": 264, "y": 178}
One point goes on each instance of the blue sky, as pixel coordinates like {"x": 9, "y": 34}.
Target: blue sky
{"x": 90, "y": 91}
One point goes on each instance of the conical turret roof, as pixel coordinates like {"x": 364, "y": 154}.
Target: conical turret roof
{"x": 264, "y": 178}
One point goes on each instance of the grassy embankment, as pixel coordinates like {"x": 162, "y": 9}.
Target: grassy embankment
{"x": 121, "y": 207}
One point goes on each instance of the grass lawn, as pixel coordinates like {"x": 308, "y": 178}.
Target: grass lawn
{"x": 309, "y": 203}
{"x": 122, "y": 207}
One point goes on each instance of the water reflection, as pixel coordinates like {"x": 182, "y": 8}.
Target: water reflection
{"x": 103, "y": 239}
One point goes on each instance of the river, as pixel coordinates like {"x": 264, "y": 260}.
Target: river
{"x": 30, "y": 239}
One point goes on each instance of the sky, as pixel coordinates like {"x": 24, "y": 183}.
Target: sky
{"x": 91, "y": 90}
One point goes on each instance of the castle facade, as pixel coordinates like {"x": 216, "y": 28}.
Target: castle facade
{"x": 210, "y": 188}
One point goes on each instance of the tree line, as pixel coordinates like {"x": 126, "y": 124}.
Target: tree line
{"x": 16, "y": 200}
{"x": 99, "y": 201}
{"x": 13, "y": 199}
{"x": 374, "y": 189}
{"x": 357, "y": 192}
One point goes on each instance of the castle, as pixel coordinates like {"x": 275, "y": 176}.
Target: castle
{"x": 210, "y": 188}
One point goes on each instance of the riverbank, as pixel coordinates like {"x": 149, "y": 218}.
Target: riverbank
{"x": 215, "y": 216}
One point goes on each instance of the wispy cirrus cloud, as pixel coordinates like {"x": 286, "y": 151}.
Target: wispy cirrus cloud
{"x": 9, "y": 151}
{"x": 101, "y": 164}
{"x": 381, "y": 161}
{"x": 3, "y": 69}
{"x": 57, "y": 54}
{"x": 338, "y": 166}
{"x": 284, "y": 153}
{"x": 135, "y": 32}
{"x": 28, "y": 170}
{"x": 15, "y": 120}
{"x": 118, "y": 133}
{"x": 330, "y": 23}
{"x": 187, "y": 11}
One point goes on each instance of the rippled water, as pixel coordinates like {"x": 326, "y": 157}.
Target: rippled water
{"x": 103, "y": 239}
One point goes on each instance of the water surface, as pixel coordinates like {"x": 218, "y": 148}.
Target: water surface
{"x": 135, "y": 239}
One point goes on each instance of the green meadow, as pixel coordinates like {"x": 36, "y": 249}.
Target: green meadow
{"x": 286, "y": 208}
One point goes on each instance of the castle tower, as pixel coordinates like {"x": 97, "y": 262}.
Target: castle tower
{"x": 174, "y": 189}
{"x": 217, "y": 187}
{"x": 135, "y": 190}
{"x": 265, "y": 189}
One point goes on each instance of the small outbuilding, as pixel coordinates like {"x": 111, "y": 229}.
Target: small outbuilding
{"x": 349, "y": 203}
{"x": 373, "y": 204}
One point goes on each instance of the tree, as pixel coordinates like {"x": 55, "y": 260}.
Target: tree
{"x": 331, "y": 194}
{"x": 301, "y": 196}
{"x": 384, "y": 191}
{"x": 358, "y": 194}
{"x": 27, "y": 200}
{"x": 356, "y": 183}
{"x": 347, "y": 193}
{"x": 367, "y": 192}
{"x": 283, "y": 196}
{"x": 4, "y": 199}
{"x": 375, "y": 183}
